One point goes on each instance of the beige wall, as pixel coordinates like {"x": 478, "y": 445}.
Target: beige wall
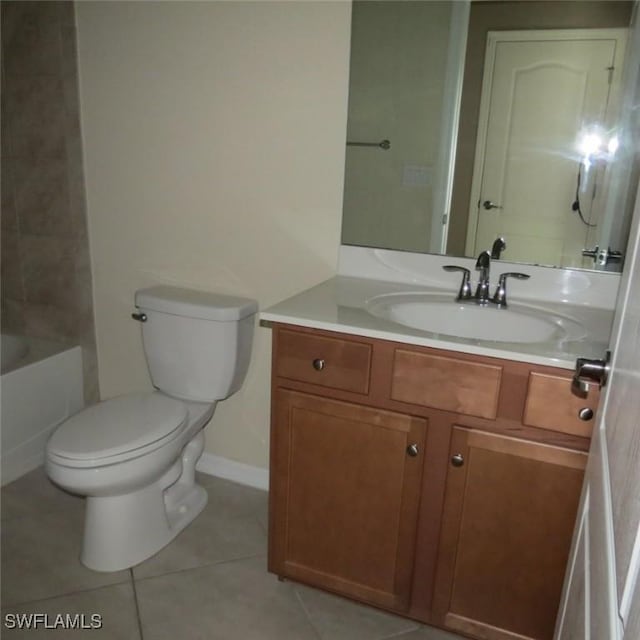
{"x": 214, "y": 147}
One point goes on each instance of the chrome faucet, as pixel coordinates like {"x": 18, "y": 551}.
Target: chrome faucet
{"x": 483, "y": 265}
{"x": 481, "y": 296}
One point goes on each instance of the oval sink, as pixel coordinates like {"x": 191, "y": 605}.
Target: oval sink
{"x": 442, "y": 315}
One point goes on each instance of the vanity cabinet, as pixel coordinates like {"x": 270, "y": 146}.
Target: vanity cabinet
{"x": 347, "y": 497}
{"x": 439, "y": 485}
{"x": 507, "y": 522}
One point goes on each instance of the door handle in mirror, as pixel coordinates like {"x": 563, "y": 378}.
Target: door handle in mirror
{"x": 602, "y": 257}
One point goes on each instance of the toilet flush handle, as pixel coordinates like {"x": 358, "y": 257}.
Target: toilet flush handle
{"x": 140, "y": 317}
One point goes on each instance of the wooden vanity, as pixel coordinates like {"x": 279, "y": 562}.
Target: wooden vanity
{"x": 434, "y": 484}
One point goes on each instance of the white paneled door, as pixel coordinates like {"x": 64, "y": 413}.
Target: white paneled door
{"x": 543, "y": 93}
{"x": 601, "y": 600}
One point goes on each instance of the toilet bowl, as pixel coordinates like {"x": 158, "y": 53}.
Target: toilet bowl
{"x": 134, "y": 456}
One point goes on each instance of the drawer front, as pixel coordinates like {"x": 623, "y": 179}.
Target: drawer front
{"x": 462, "y": 386}
{"x": 329, "y": 362}
{"x": 551, "y": 405}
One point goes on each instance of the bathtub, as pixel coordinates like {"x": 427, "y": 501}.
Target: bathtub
{"x": 40, "y": 386}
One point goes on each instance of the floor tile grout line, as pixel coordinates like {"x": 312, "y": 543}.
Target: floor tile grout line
{"x": 9, "y": 517}
{"x": 263, "y": 525}
{"x": 399, "y": 634}
{"x": 391, "y": 636}
{"x": 441, "y": 633}
{"x": 200, "y": 566}
{"x": 65, "y": 594}
{"x": 306, "y": 612}
{"x": 136, "y": 603}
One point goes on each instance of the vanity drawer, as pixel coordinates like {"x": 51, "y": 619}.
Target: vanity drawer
{"x": 450, "y": 384}
{"x": 551, "y": 405}
{"x": 329, "y": 362}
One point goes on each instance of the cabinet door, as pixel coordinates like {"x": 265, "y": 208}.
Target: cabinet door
{"x": 345, "y": 492}
{"x": 509, "y": 513}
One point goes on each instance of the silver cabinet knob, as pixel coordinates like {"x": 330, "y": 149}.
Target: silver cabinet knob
{"x": 318, "y": 364}
{"x": 140, "y": 317}
{"x": 412, "y": 450}
{"x": 585, "y": 414}
{"x": 457, "y": 460}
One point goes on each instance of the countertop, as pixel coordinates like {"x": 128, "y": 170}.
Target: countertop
{"x": 340, "y": 304}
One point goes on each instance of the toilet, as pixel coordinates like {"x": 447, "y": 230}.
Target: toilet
{"x": 134, "y": 456}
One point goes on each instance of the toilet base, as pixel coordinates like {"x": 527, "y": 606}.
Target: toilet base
{"x": 123, "y": 530}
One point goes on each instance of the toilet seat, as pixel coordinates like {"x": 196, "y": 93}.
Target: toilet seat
{"x": 117, "y": 429}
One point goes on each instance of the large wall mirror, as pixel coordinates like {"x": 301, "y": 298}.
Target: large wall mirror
{"x": 475, "y": 121}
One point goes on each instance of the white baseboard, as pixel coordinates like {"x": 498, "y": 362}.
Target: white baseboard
{"x": 235, "y": 471}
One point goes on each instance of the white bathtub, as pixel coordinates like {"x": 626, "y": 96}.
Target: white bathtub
{"x": 41, "y": 385}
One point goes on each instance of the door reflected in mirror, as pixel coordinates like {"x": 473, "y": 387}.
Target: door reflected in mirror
{"x": 503, "y": 119}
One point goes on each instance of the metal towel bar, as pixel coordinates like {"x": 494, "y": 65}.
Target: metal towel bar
{"x": 383, "y": 144}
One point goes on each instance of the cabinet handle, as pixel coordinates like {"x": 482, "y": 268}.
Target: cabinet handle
{"x": 585, "y": 414}
{"x": 412, "y": 450}
{"x": 457, "y": 460}
{"x": 318, "y": 364}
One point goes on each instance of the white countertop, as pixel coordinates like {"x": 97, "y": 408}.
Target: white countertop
{"x": 340, "y": 304}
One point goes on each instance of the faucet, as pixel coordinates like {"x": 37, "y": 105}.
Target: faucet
{"x": 499, "y": 245}
{"x": 481, "y": 296}
{"x": 483, "y": 264}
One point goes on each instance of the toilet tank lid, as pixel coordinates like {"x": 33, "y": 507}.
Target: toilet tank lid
{"x": 192, "y": 303}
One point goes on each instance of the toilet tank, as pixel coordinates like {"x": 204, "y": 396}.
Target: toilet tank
{"x": 197, "y": 344}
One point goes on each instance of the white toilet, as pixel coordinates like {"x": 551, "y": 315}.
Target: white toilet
{"x": 134, "y": 456}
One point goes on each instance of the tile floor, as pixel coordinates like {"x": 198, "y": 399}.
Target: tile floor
{"x": 209, "y": 583}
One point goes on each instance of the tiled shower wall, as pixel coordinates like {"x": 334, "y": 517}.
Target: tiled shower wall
{"x": 46, "y": 272}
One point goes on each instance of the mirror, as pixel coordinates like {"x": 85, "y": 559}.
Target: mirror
{"x": 461, "y": 131}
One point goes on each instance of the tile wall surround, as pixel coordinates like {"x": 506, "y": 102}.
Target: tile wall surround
{"x": 46, "y": 288}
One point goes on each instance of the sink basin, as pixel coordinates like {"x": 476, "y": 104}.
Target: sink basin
{"x": 442, "y": 315}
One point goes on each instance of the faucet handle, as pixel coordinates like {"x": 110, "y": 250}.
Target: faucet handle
{"x": 500, "y": 296}
{"x": 465, "y": 286}
{"x": 514, "y": 274}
